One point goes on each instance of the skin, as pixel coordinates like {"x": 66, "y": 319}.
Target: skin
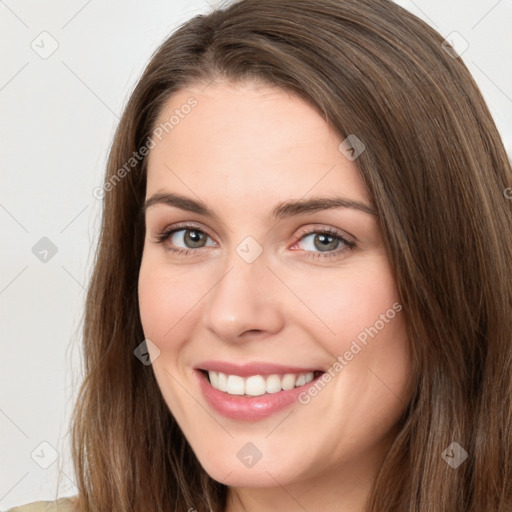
{"x": 243, "y": 149}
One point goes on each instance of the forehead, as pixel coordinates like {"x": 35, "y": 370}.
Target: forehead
{"x": 251, "y": 140}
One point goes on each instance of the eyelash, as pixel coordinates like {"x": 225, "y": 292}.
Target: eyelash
{"x": 349, "y": 245}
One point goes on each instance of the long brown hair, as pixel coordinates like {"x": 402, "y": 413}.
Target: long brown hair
{"x": 436, "y": 171}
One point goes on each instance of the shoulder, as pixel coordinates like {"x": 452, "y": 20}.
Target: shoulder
{"x": 60, "y": 505}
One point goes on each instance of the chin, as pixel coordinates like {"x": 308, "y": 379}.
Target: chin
{"x": 236, "y": 468}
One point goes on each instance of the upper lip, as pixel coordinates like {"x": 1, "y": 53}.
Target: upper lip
{"x": 254, "y": 368}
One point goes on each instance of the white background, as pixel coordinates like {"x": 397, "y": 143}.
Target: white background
{"x": 58, "y": 117}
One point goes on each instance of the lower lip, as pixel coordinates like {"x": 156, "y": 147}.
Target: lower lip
{"x": 248, "y": 408}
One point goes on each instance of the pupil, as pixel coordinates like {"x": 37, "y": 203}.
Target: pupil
{"x": 322, "y": 237}
{"x": 194, "y": 237}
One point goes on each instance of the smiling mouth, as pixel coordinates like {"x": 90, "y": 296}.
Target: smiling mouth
{"x": 258, "y": 385}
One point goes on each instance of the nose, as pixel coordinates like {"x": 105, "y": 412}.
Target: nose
{"x": 244, "y": 303}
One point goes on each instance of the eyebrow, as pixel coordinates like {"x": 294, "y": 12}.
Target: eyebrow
{"x": 280, "y": 211}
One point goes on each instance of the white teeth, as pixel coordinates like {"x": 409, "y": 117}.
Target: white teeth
{"x": 222, "y": 383}
{"x": 257, "y": 385}
{"x": 214, "y": 378}
{"x": 273, "y": 384}
{"x": 288, "y": 381}
{"x": 301, "y": 380}
{"x": 236, "y": 385}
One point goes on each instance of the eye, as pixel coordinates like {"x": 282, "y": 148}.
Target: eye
{"x": 320, "y": 243}
{"x": 324, "y": 243}
{"x": 190, "y": 237}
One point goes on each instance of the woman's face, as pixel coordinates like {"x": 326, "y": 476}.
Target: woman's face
{"x": 269, "y": 293}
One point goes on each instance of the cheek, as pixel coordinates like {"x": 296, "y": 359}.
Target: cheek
{"x": 165, "y": 300}
{"x": 351, "y": 303}
{"x": 360, "y": 322}
{"x": 166, "y": 305}
{"x": 153, "y": 302}
{"x": 372, "y": 349}
{"x": 171, "y": 302}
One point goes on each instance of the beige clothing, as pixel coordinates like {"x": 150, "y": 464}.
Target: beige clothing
{"x": 60, "y": 505}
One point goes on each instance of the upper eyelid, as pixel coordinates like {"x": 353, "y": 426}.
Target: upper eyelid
{"x": 173, "y": 228}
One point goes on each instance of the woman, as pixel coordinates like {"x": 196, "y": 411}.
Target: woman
{"x": 301, "y": 298}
